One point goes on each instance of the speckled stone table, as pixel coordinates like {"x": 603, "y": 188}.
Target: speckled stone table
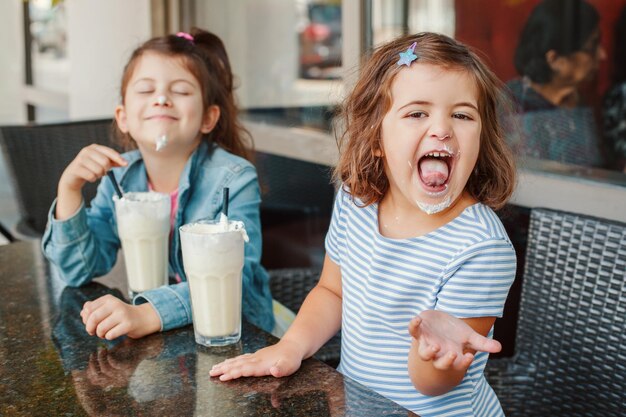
{"x": 49, "y": 365}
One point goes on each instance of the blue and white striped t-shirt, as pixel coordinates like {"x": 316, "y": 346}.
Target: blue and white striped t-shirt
{"x": 464, "y": 268}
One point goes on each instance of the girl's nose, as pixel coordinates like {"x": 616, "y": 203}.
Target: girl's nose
{"x": 162, "y": 101}
{"x": 440, "y": 127}
{"x": 440, "y": 134}
{"x": 444, "y": 136}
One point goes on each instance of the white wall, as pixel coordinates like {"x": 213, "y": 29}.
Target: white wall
{"x": 11, "y": 62}
{"x": 101, "y": 37}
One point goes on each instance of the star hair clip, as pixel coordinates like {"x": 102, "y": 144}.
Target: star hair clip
{"x": 407, "y": 57}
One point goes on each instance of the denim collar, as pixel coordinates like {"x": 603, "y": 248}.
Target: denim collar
{"x": 139, "y": 180}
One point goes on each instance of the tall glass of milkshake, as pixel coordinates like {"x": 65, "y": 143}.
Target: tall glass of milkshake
{"x": 213, "y": 258}
{"x": 143, "y": 224}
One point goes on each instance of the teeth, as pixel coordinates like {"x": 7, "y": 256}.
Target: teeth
{"x": 438, "y": 155}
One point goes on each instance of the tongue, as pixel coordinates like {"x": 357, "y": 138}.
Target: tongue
{"x": 434, "y": 172}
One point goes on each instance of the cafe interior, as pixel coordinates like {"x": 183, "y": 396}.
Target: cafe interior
{"x": 563, "y": 331}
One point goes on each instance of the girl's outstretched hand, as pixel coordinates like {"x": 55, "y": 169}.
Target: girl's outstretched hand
{"x": 447, "y": 341}
{"x": 109, "y": 317}
{"x": 281, "y": 359}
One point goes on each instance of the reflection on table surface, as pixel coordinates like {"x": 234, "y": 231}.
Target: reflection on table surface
{"x": 49, "y": 365}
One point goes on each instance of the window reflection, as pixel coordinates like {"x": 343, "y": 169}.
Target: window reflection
{"x": 583, "y": 123}
{"x": 320, "y": 41}
{"x": 287, "y": 55}
{"x": 558, "y": 52}
{"x": 48, "y": 27}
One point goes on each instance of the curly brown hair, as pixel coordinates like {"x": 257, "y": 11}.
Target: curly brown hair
{"x": 205, "y": 57}
{"x": 361, "y": 169}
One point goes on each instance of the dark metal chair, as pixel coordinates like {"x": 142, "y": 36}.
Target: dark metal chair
{"x": 290, "y": 286}
{"x": 570, "y": 349}
{"x": 36, "y": 156}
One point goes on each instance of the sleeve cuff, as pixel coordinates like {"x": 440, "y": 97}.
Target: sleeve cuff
{"x": 70, "y": 229}
{"x": 172, "y": 308}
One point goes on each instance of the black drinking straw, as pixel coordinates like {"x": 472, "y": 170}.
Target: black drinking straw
{"x": 225, "y": 201}
{"x": 118, "y": 191}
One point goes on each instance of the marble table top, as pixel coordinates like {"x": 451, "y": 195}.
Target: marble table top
{"x": 49, "y": 365}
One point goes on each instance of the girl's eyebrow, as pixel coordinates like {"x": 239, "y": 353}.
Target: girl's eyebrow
{"x": 428, "y": 103}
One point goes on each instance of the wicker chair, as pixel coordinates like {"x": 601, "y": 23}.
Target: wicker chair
{"x": 570, "y": 346}
{"x": 296, "y": 205}
{"x": 36, "y": 156}
{"x": 290, "y": 287}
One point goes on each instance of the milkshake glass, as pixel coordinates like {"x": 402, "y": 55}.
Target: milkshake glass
{"x": 213, "y": 258}
{"x": 143, "y": 225}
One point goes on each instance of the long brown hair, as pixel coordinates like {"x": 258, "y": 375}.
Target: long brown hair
{"x": 361, "y": 170}
{"x": 206, "y": 58}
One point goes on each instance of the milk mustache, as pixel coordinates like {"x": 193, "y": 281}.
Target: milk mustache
{"x": 143, "y": 224}
{"x": 213, "y": 258}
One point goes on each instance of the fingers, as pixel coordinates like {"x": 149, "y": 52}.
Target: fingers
{"x": 112, "y": 155}
{"x": 445, "y": 362}
{"x": 481, "y": 343}
{"x": 104, "y": 317}
{"x": 260, "y": 363}
{"x": 414, "y": 326}
{"x": 427, "y": 351}
{"x": 241, "y": 366}
{"x": 93, "y": 162}
{"x": 280, "y": 369}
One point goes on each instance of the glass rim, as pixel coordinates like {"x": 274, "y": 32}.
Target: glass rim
{"x": 131, "y": 194}
{"x": 184, "y": 228}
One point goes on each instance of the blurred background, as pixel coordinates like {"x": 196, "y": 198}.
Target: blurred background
{"x": 61, "y": 60}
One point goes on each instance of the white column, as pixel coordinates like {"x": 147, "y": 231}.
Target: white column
{"x": 101, "y": 36}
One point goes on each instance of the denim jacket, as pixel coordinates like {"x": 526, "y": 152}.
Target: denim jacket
{"x": 85, "y": 245}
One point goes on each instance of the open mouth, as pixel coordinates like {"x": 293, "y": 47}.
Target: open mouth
{"x": 434, "y": 169}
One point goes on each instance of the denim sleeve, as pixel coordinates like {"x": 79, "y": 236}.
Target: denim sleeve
{"x": 85, "y": 245}
{"x": 171, "y": 302}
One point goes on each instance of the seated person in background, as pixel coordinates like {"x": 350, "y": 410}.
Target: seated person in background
{"x": 614, "y": 105}
{"x": 559, "y": 49}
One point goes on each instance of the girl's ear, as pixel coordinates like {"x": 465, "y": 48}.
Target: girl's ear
{"x": 211, "y": 117}
{"x": 120, "y": 118}
{"x": 378, "y": 152}
{"x": 554, "y": 60}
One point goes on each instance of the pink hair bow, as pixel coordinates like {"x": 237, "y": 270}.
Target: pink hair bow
{"x": 185, "y": 35}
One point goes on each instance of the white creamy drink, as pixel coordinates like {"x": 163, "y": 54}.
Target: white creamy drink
{"x": 143, "y": 225}
{"x": 213, "y": 258}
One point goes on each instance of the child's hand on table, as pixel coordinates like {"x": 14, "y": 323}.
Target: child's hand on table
{"x": 109, "y": 317}
{"x": 281, "y": 359}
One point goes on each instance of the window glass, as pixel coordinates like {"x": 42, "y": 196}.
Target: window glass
{"x": 47, "y": 68}
{"x": 563, "y": 62}
{"x": 48, "y": 28}
{"x": 285, "y": 54}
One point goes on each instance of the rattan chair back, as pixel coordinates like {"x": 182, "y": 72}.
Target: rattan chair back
{"x": 571, "y": 338}
{"x": 36, "y": 156}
